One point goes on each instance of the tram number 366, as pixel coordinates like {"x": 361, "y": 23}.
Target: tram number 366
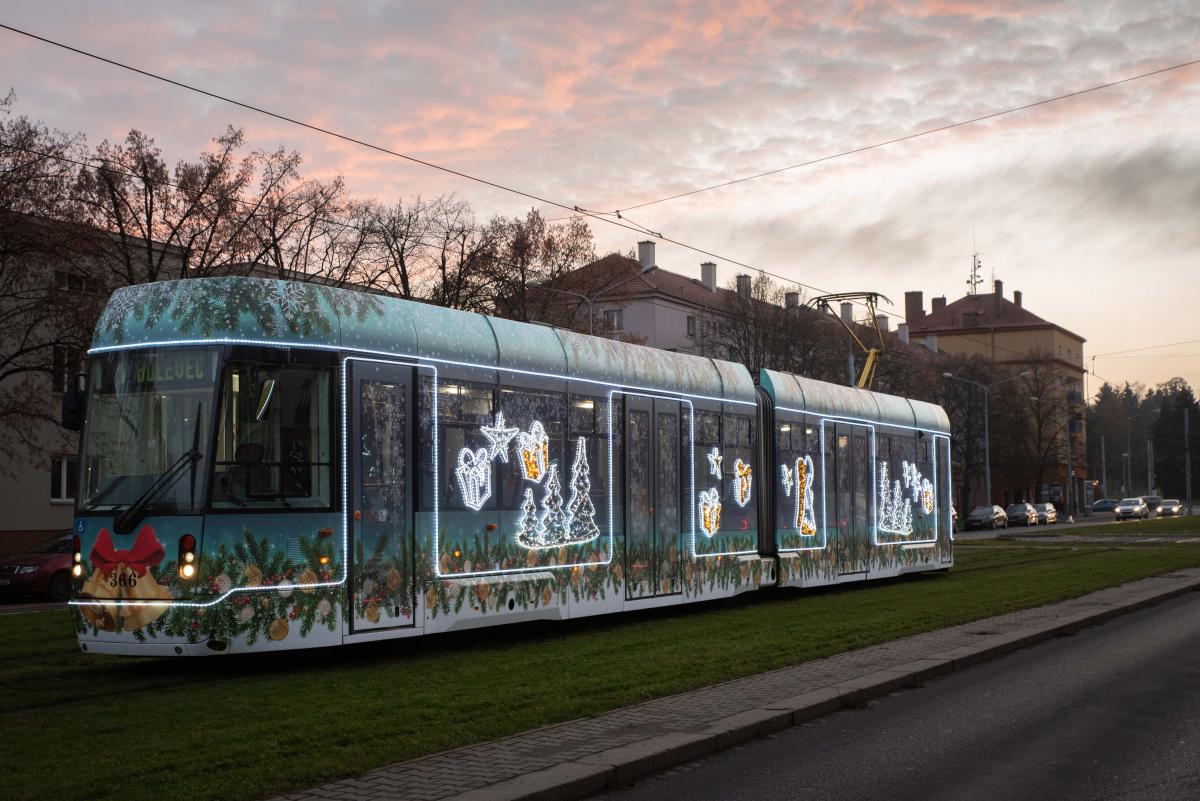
{"x": 120, "y": 578}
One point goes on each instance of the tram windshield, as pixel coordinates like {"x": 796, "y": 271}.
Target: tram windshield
{"x": 148, "y": 430}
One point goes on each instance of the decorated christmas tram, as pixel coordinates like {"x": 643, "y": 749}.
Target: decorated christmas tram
{"x": 270, "y": 465}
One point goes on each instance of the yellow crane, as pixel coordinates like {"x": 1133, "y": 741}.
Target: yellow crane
{"x": 871, "y": 299}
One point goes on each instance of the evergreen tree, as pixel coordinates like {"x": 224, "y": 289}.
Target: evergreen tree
{"x": 581, "y": 510}
{"x": 554, "y": 520}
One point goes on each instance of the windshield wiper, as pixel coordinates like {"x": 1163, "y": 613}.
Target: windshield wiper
{"x": 128, "y": 519}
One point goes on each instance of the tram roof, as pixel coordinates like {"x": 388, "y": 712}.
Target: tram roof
{"x": 273, "y": 312}
{"x": 834, "y": 400}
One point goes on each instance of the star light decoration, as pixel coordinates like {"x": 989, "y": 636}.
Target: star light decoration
{"x": 714, "y": 462}
{"x": 498, "y": 437}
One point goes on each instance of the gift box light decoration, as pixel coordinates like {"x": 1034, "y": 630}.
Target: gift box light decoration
{"x": 498, "y": 437}
{"x": 710, "y": 512}
{"x": 742, "y": 479}
{"x": 474, "y": 474}
{"x": 806, "y": 519}
{"x": 714, "y": 462}
{"x": 534, "y": 449}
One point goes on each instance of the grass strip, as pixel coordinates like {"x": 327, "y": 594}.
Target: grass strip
{"x": 251, "y": 727}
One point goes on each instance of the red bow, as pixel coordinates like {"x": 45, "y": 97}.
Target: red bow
{"x": 146, "y": 552}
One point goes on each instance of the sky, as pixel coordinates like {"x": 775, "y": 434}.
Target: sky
{"x": 1090, "y": 206}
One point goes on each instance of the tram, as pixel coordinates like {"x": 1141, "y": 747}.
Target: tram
{"x": 272, "y": 465}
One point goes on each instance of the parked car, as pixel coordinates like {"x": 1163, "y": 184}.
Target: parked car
{"x": 1046, "y": 513}
{"x": 1152, "y": 503}
{"x": 1105, "y": 505}
{"x": 43, "y": 570}
{"x": 992, "y": 517}
{"x": 1170, "y": 508}
{"x": 1021, "y": 514}
{"x": 1131, "y": 507}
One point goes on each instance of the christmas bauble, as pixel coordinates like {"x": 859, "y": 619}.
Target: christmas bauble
{"x": 323, "y": 609}
{"x": 547, "y": 595}
{"x": 246, "y": 615}
{"x": 224, "y": 583}
{"x": 307, "y": 576}
{"x": 430, "y": 598}
{"x": 393, "y": 580}
{"x": 372, "y": 612}
{"x": 278, "y": 629}
{"x": 252, "y": 575}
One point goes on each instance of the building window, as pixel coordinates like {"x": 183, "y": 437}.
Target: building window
{"x": 64, "y": 478}
{"x": 74, "y": 282}
{"x": 692, "y": 327}
{"x": 67, "y": 362}
{"x": 613, "y": 319}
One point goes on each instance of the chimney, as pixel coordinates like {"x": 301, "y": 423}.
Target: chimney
{"x": 881, "y": 321}
{"x": 791, "y": 300}
{"x": 708, "y": 276}
{"x": 1017, "y": 298}
{"x": 902, "y": 332}
{"x": 743, "y": 287}
{"x": 939, "y": 304}
{"x": 931, "y": 343}
{"x": 914, "y": 307}
{"x": 848, "y": 313}
{"x": 646, "y": 253}
{"x": 998, "y": 288}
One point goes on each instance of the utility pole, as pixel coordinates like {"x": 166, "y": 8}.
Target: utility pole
{"x": 1187, "y": 458}
{"x": 1070, "y": 471}
{"x": 1149, "y": 467}
{"x": 1103, "y": 469}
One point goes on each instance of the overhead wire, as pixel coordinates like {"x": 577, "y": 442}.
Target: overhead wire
{"x": 915, "y": 135}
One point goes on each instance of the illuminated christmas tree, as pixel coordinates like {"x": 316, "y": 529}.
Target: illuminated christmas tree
{"x": 529, "y": 534}
{"x": 554, "y": 520}
{"x": 581, "y": 511}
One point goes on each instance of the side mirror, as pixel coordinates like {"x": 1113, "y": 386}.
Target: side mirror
{"x": 72, "y": 404}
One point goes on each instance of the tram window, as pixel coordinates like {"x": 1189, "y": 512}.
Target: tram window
{"x": 522, "y": 408}
{"x": 588, "y": 419}
{"x": 738, "y": 437}
{"x": 463, "y": 407}
{"x": 273, "y": 442}
{"x": 794, "y": 439}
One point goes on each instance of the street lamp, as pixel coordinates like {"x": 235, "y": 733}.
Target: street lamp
{"x": 987, "y": 448}
{"x": 589, "y": 300}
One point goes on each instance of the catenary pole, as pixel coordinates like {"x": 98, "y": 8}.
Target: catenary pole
{"x": 1103, "y": 468}
{"x": 1187, "y": 458}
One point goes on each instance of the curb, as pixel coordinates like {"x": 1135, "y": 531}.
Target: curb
{"x": 620, "y": 766}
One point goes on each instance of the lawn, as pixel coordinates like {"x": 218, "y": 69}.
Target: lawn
{"x": 88, "y": 726}
{"x": 1155, "y": 525}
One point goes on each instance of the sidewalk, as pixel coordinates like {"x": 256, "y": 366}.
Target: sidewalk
{"x": 582, "y": 757}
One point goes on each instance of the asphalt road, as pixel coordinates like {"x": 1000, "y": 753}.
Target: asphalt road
{"x": 1112, "y": 712}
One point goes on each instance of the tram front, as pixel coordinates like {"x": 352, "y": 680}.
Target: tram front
{"x": 205, "y": 518}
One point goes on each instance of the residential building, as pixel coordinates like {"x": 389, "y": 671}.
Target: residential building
{"x": 1004, "y": 332}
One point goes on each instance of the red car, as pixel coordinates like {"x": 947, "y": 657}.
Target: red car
{"x": 44, "y": 570}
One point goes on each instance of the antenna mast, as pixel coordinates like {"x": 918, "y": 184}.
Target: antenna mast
{"x": 974, "y": 281}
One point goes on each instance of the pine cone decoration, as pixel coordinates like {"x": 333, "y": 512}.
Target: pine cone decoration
{"x": 393, "y": 580}
{"x": 372, "y": 612}
{"x": 253, "y": 575}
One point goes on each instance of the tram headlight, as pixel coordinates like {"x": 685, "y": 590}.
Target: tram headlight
{"x": 187, "y": 556}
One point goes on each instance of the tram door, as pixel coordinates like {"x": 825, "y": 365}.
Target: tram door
{"x": 380, "y": 495}
{"x": 852, "y": 459}
{"x": 653, "y": 517}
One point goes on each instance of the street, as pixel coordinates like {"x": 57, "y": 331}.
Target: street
{"x": 1112, "y": 712}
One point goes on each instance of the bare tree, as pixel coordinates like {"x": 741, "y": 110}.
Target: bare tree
{"x": 1032, "y": 422}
